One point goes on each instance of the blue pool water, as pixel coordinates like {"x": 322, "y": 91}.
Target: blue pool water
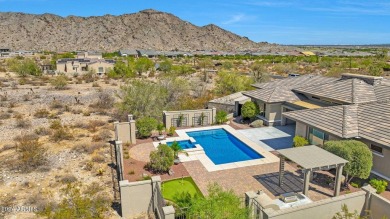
{"x": 186, "y": 144}
{"x": 222, "y": 147}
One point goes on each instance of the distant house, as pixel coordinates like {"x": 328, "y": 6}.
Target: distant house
{"x": 4, "y": 50}
{"x": 148, "y": 53}
{"x": 46, "y": 68}
{"x": 308, "y": 53}
{"x": 128, "y": 53}
{"x": 231, "y": 103}
{"x": 89, "y": 55}
{"x": 80, "y": 66}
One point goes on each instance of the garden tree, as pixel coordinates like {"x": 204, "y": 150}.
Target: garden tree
{"x": 142, "y": 65}
{"x": 143, "y": 98}
{"x": 221, "y": 116}
{"x": 160, "y": 128}
{"x": 219, "y": 204}
{"x": 161, "y": 160}
{"x": 232, "y": 82}
{"x": 166, "y": 65}
{"x": 145, "y": 126}
{"x": 121, "y": 69}
{"x": 177, "y": 149}
{"x": 176, "y": 90}
{"x": 249, "y": 110}
{"x": 375, "y": 70}
{"x": 358, "y": 155}
{"x": 259, "y": 72}
{"x": 86, "y": 204}
{"x": 205, "y": 63}
{"x": 24, "y": 67}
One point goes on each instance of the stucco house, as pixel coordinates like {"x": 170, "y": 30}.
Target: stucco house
{"x": 89, "y": 55}
{"x": 352, "y": 107}
{"x": 80, "y": 66}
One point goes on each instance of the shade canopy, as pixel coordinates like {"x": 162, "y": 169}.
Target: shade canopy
{"x": 312, "y": 157}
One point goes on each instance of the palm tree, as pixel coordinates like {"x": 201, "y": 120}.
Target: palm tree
{"x": 177, "y": 149}
{"x": 160, "y": 128}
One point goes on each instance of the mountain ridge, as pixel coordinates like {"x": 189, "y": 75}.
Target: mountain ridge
{"x": 147, "y": 29}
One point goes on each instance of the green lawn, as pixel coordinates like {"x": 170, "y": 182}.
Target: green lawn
{"x": 171, "y": 187}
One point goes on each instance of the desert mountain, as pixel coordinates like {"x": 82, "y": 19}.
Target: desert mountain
{"x": 148, "y": 29}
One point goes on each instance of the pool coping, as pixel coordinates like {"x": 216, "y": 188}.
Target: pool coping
{"x": 199, "y": 154}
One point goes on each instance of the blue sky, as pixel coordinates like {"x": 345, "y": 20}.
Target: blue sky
{"x": 274, "y": 21}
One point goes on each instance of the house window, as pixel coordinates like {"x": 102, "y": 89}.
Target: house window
{"x": 376, "y": 149}
{"x": 101, "y": 70}
{"x": 317, "y": 137}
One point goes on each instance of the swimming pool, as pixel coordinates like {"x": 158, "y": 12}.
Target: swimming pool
{"x": 222, "y": 147}
{"x": 185, "y": 144}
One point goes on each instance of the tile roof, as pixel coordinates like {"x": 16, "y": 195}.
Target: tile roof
{"x": 346, "y": 91}
{"x": 273, "y": 95}
{"x": 230, "y": 99}
{"x": 367, "y": 120}
{"x": 295, "y": 82}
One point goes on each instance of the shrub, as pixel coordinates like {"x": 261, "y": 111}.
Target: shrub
{"x": 5, "y": 116}
{"x": 22, "y": 122}
{"x": 55, "y": 104}
{"x": 161, "y": 160}
{"x": 31, "y": 153}
{"x": 379, "y": 185}
{"x": 69, "y": 178}
{"x": 249, "y": 110}
{"x": 94, "y": 124}
{"x": 61, "y": 134}
{"x": 145, "y": 126}
{"x": 257, "y": 123}
{"x": 355, "y": 185}
{"x": 103, "y": 135}
{"x": 171, "y": 131}
{"x": 97, "y": 157}
{"x": 55, "y": 124}
{"x": 221, "y": 117}
{"x": 60, "y": 82}
{"x": 300, "y": 141}
{"x": 42, "y": 113}
{"x": 42, "y": 131}
{"x": 106, "y": 101}
{"x": 95, "y": 84}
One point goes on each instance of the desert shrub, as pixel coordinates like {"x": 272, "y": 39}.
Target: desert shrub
{"x": 86, "y": 113}
{"x": 55, "y": 104}
{"x": 60, "y": 82}
{"x": 105, "y": 101}
{"x": 221, "y": 117}
{"x": 69, "y": 178}
{"x": 249, "y": 110}
{"x": 42, "y": 113}
{"x": 22, "y": 122}
{"x": 257, "y": 123}
{"x": 161, "y": 160}
{"x": 95, "y": 84}
{"x": 61, "y": 134}
{"x": 171, "y": 131}
{"x": 103, "y": 135}
{"x": 77, "y": 204}
{"x": 379, "y": 185}
{"x": 145, "y": 126}
{"x": 299, "y": 141}
{"x": 94, "y": 124}
{"x": 31, "y": 153}
{"x": 5, "y": 115}
{"x": 97, "y": 157}
{"x": 56, "y": 124}
{"x": 42, "y": 131}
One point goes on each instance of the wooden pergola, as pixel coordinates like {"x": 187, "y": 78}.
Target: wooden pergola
{"x": 312, "y": 158}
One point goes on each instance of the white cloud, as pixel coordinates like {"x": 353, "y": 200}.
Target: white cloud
{"x": 238, "y": 18}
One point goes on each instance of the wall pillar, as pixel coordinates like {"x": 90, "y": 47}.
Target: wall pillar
{"x": 306, "y": 182}
{"x": 132, "y": 131}
{"x": 119, "y": 158}
{"x": 169, "y": 212}
{"x": 116, "y": 123}
{"x": 214, "y": 115}
{"x": 249, "y": 199}
{"x": 337, "y": 186}
{"x": 281, "y": 170}
{"x": 369, "y": 191}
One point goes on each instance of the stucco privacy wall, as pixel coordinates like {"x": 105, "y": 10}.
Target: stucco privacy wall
{"x": 187, "y": 118}
{"x": 125, "y": 131}
{"x": 379, "y": 207}
{"x": 301, "y": 129}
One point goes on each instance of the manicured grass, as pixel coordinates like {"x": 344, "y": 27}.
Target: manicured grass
{"x": 172, "y": 187}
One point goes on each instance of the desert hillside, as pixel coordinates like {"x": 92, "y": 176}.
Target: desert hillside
{"x": 148, "y": 29}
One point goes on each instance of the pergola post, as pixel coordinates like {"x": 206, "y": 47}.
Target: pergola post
{"x": 306, "y": 181}
{"x": 339, "y": 171}
{"x": 281, "y": 170}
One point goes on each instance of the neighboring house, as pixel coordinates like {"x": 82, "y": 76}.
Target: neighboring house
{"x": 308, "y": 53}
{"x": 80, "y": 66}
{"x": 128, "y": 52}
{"x": 89, "y": 55}
{"x": 46, "y": 68}
{"x": 231, "y": 103}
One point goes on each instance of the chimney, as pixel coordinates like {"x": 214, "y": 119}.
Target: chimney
{"x": 372, "y": 80}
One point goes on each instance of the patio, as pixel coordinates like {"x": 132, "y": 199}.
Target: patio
{"x": 271, "y": 138}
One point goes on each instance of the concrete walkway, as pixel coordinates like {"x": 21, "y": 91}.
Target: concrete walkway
{"x": 271, "y": 138}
